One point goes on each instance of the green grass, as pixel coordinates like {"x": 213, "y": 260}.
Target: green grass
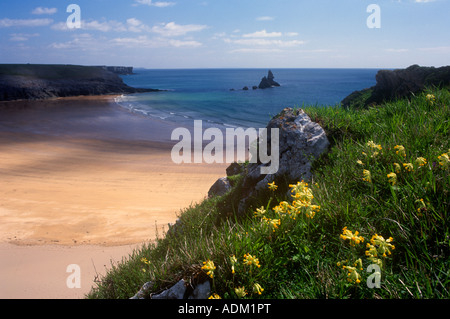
{"x": 299, "y": 258}
{"x": 52, "y": 71}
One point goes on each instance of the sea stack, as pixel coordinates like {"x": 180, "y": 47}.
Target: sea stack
{"x": 268, "y": 81}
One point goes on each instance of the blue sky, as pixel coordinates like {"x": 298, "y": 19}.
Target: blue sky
{"x": 227, "y": 33}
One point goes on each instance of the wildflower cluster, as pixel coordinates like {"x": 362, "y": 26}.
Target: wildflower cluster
{"x": 209, "y": 267}
{"x": 376, "y": 248}
{"x": 302, "y": 197}
{"x": 431, "y": 98}
{"x": 244, "y": 271}
{"x": 398, "y": 163}
{"x": 353, "y": 238}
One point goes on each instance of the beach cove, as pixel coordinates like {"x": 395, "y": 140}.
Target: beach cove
{"x": 84, "y": 182}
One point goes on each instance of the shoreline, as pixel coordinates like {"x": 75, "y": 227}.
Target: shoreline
{"x": 81, "y": 176}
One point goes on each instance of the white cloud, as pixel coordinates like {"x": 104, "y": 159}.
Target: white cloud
{"x": 256, "y": 50}
{"x": 7, "y": 23}
{"x": 83, "y": 42}
{"x": 159, "y": 4}
{"x": 104, "y": 26}
{"x": 41, "y": 10}
{"x": 266, "y": 42}
{"x": 144, "y": 41}
{"x": 135, "y": 25}
{"x": 263, "y": 34}
{"x": 424, "y": 1}
{"x": 265, "y": 18}
{"x": 20, "y": 37}
{"x": 172, "y": 29}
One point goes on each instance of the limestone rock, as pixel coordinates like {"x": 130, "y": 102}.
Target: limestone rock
{"x": 220, "y": 187}
{"x": 175, "y": 292}
{"x": 301, "y": 142}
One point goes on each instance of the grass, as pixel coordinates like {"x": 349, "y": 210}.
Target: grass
{"x": 376, "y": 237}
{"x": 52, "y": 71}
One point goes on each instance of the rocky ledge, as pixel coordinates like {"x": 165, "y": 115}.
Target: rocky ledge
{"x": 397, "y": 84}
{"x": 37, "y": 82}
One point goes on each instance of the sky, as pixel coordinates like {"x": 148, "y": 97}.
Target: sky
{"x": 227, "y": 33}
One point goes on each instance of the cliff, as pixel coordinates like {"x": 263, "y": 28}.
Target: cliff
{"x": 398, "y": 84}
{"x": 121, "y": 70}
{"x": 35, "y": 82}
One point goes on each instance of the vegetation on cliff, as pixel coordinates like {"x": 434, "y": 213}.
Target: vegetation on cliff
{"x": 371, "y": 223}
{"x": 42, "y": 81}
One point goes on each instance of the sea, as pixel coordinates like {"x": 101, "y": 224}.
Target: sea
{"x": 217, "y": 96}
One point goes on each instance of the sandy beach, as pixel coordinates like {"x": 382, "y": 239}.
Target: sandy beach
{"x": 84, "y": 182}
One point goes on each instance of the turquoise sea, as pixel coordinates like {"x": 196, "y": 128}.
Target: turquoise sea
{"x": 216, "y": 96}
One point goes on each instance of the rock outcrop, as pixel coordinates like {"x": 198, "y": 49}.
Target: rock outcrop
{"x": 401, "y": 83}
{"x": 36, "y": 82}
{"x": 301, "y": 141}
{"x": 268, "y": 82}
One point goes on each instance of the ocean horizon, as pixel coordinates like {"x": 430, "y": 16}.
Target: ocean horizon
{"x": 216, "y": 96}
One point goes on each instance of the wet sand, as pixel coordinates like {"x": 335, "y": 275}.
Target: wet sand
{"x": 83, "y": 181}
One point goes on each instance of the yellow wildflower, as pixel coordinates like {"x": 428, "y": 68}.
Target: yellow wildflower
{"x": 371, "y": 144}
{"x": 420, "y": 161}
{"x": 209, "y": 267}
{"x": 400, "y": 150}
{"x": 397, "y": 168}
{"x": 408, "y": 167}
{"x": 381, "y": 245}
{"x": 214, "y": 296}
{"x": 392, "y": 177}
{"x": 272, "y": 186}
{"x": 145, "y": 261}
{"x": 360, "y": 162}
{"x": 444, "y": 160}
{"x": 240, "y": 292}
{"x": 353, "y": 275}
{"x": 311, "y": 211}
{"x": 367, "y": 176}
{"x": 257, "y": 289}
{"x": 233, "y": 261}
{"x": 260, "y": 212}
{"x": 274, "y": 223}
{"x": 353, "y": 238}
{"x": 358, "y": 263}
{"x": 431, "y": 98}
{"x": 250, "y": 260}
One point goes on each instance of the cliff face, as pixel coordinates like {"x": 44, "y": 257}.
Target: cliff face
{"x": 33, "y": 82}
{"x": 400, "y": 83}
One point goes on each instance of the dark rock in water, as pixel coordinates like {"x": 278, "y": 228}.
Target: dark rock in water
{"x": 245, "y": 88}
{"x": 397, "y": 84}
{"x": 268, "y": 82}
{"x": 254, "y": 87}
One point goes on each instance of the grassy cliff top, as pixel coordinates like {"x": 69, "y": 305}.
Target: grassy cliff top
{"x": 52, "y": 71}
{"x": 372, "y": 224}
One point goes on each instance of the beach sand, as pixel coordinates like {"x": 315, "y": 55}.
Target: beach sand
{"x": 84, "y": 182}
